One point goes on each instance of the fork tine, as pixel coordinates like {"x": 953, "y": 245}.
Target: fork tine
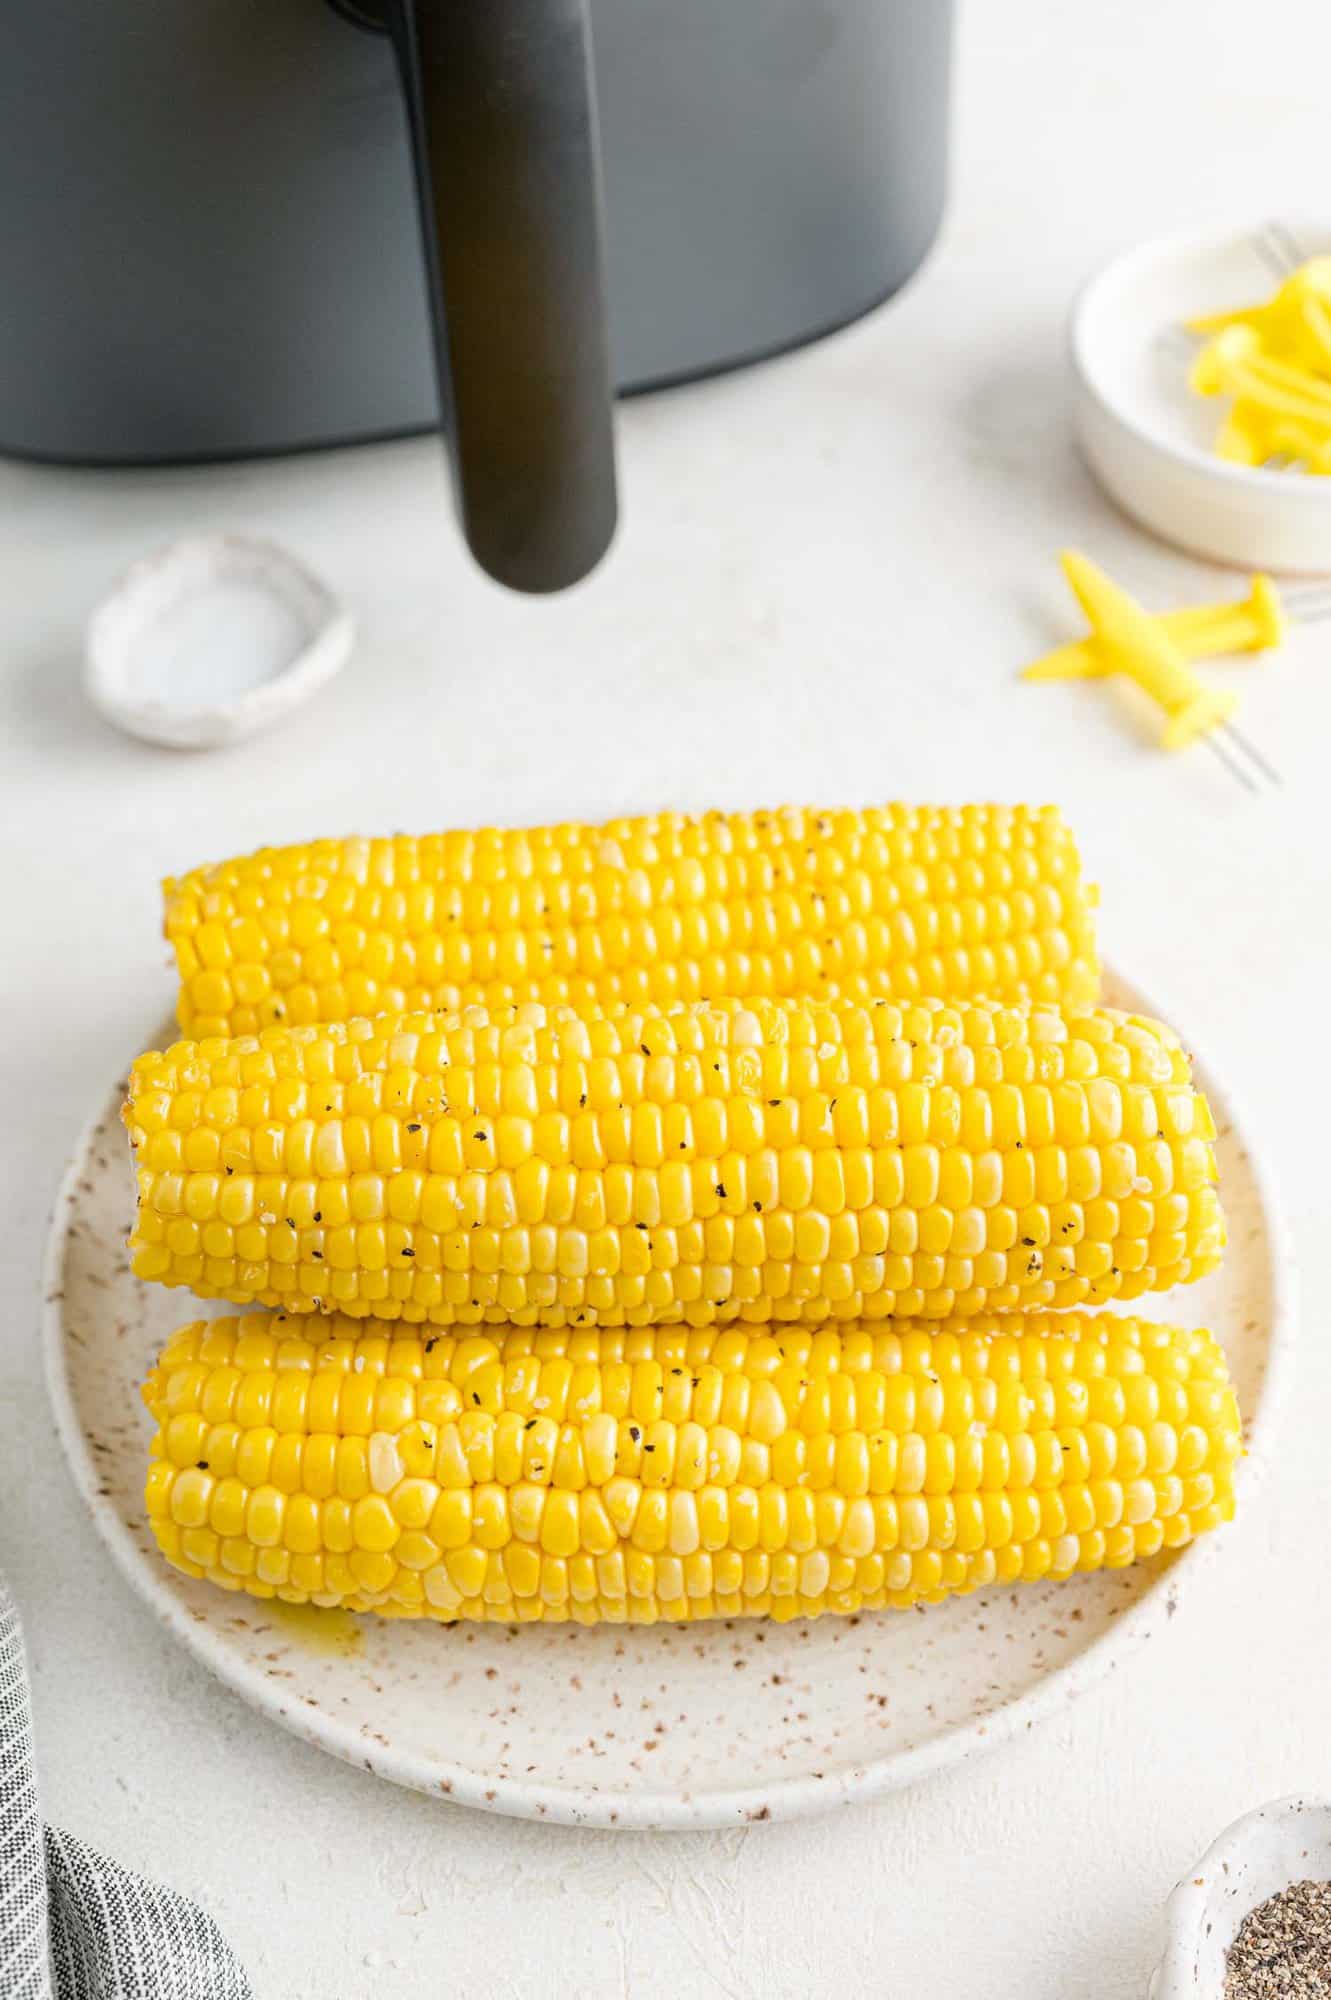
{"x": 1287, "y": 243}
{"x": 1268, "y": 249}
{"x": 1252, "y": 753}
{"x": 1231, "y": 763}
{"x": 1308, "y": 602}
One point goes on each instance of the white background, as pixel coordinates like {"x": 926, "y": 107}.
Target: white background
{"x": 829, "y": 570}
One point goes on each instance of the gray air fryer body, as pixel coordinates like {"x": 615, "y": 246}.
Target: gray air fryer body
{"x": 210, "y": 236}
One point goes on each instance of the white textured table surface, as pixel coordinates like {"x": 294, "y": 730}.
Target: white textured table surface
{"x": 829, "y": 569}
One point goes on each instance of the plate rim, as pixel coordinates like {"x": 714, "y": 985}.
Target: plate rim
{"x": 672, "y": 1810}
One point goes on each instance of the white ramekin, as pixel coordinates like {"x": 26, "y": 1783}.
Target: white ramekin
{"x": 1260, "y": 1854}
{"x": 1147, "y": 437}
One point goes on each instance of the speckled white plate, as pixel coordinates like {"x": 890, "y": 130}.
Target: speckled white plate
{"x": 674, "y": 1726}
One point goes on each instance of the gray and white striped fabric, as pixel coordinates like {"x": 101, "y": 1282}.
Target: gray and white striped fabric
{"x": 74, "y": 1926}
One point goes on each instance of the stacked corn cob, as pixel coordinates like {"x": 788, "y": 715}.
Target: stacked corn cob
{"x": 903, "y": 901}
{"x": 671, "y": 1473}
{"x": 645, "y": 1278}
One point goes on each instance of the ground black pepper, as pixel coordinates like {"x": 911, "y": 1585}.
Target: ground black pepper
{"x": 1283, "y": 1947}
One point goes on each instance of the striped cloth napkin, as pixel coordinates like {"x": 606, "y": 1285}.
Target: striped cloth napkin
{"x": 74, "y": 1926}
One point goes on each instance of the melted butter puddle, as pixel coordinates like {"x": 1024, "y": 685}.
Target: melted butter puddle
{"x": 319, "y": 1630}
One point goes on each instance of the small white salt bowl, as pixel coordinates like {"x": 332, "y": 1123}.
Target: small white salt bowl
{"x": 1148, "y": 438}
{"x": 1255, "y": 1858}
{"x": 212, "y": 639}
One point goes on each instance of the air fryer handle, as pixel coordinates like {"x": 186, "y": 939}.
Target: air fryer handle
{"x": 502, "y": 113}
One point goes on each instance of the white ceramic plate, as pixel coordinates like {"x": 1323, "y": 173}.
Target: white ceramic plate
{"x": 1149, "y": 439}
{"x": 673, "y": 1726}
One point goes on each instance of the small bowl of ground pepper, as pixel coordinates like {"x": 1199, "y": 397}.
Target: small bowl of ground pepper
{"x": 1252, "y": 1920}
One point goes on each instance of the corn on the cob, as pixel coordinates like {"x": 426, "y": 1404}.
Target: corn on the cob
{"x": 674, "y": 1473}
{"x": 902, "y": 901}
{"x": 745, "y": 1160}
